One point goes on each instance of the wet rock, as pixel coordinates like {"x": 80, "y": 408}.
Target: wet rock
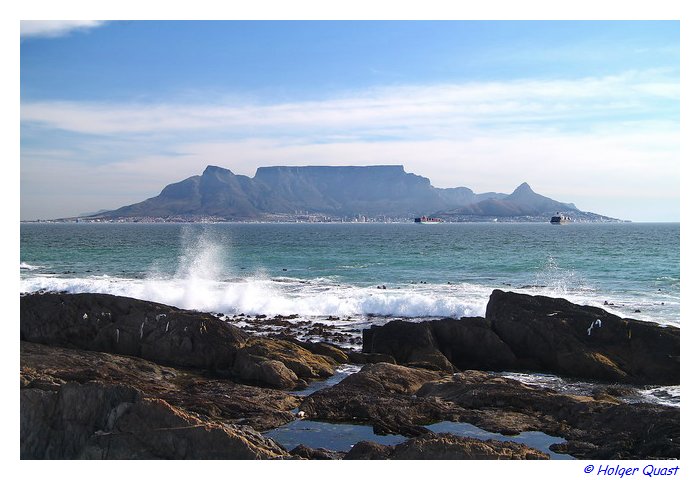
{"x": 98, "y": 421}
{"x": 127, "y": 326}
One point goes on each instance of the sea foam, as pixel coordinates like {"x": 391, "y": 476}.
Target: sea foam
{"x": 199, "y": 283}
{"x": 260, "y": 295}
{"x": 27, "y": 266}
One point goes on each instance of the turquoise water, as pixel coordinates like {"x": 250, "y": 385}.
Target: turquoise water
{"x": 317, "y": 270}
{"x": 329, "y": 273}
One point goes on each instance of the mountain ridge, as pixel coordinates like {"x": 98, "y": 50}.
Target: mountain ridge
{"x": 337, "y": 192}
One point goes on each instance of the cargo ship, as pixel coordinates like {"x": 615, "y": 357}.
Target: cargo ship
{"x": 558, "y": 219}
{"x": 425, "y": 219}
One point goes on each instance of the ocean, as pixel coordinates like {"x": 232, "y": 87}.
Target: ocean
{"x": 355, "y": 275}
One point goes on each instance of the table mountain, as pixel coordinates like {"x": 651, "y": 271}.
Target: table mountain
{"x": 373, "y": 191}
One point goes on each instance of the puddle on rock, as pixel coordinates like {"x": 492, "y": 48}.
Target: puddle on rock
{"x": 342, "y": 436}
{"x": 538, "y": 440}
{"x": 332, "y": 436}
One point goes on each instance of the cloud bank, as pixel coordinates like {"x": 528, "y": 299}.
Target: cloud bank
{"x": 54, "y": 28}
{"x": 406, "y": 110}
{"x": 617, "y": 136}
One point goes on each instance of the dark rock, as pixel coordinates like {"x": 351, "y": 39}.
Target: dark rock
{"x": 443, "y": 345}
{"x": 604, "y": 428}
{"x": 410, "y": 343}
{"x": 319, "y": 348}
{"x": 535, "y": 333}
{"x": 555, "y": 335}
{"x": 384, "y": 377}
{"x": 469, "y": 342}
{"x": 365, "y": 450}
{"x": 446, "y": 446}
{"x": 280, "y": 363}
{"x": 618, "y": 390}
{"x": 170, "y": 336}
{"x": 316, "y": 453}
{"x": 126, "y": 326}
{"x": 98, "y": 421}
{"x": 262, "y": 370}
{"x": 328, "y": 350}
{"x": 47, "y": 368}
{"x": 401, "y": 400}
{"x": 363, "y": 358}
{"x": 381, "y": 395}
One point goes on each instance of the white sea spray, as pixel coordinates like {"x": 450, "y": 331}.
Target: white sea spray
{"x": 27, "y": 266}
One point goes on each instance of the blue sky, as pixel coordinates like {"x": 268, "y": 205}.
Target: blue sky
{"x": 585, "y": 112}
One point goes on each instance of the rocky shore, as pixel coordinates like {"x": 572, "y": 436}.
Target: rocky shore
{"x": 106, "y": 377}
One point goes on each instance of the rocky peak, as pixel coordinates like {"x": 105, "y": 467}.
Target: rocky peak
{"x": 523, "y": 189}
{"x": 214, "y": 170}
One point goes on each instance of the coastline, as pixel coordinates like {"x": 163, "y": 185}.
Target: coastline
{"x": 198, "y": 374}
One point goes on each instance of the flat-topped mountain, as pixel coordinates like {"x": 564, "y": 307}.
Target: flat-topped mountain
{"x": 371, "y": 191}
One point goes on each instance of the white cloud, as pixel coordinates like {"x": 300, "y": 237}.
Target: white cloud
{"x": 54, "y": 28}
{"x": 419, "y": 109}
{"x": 573, "y": 140}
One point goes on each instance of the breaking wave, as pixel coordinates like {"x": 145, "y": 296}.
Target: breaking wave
{"x": 260, "y": 295}
{"x": 27, "y": 266}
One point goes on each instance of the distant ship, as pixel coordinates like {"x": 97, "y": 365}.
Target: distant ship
{"x": 425, "y": 219}
{"x": 558, "y": 219}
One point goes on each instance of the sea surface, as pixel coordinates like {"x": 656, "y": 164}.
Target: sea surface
{"x": 359, "y": 274}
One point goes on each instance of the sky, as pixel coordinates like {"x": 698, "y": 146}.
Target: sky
{"x": 586, "y": 112}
